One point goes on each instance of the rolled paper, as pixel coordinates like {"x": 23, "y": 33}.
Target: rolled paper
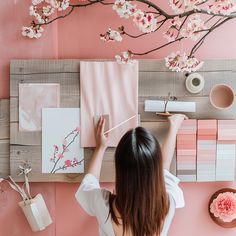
{"x": 172, "y": 106}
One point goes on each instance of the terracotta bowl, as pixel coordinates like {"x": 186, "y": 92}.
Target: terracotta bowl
{"x": 222, "y": 96}
{"x": 217, "y": 220}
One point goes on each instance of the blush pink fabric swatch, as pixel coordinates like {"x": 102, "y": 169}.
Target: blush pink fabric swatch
{"x": 108, "y": 88}
{"x": 32, "y": 98}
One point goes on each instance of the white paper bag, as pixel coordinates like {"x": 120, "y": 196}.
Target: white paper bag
{"x": 36, "y": 212}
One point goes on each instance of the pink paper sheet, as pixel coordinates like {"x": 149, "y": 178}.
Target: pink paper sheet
{"x": 32, "y": 98}
{"x": 108, "y": 88}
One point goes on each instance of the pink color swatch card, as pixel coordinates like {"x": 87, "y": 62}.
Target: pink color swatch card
{"x": 225, "y": 162}
{"x": 206, "y": 150}
{"x": 226, "y": 150}
{"x": 32, "y": 98}
{"x": 186, "y": 151}
{"x": 227, "y": 130}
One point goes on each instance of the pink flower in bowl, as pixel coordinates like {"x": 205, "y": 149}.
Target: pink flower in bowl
{"x": 224, "y": 206}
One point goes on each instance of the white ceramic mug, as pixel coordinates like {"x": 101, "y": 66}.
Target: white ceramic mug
{"x": 194, "y": 83}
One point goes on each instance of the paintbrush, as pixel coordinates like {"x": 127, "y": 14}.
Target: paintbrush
{"x": 119, "y": 124}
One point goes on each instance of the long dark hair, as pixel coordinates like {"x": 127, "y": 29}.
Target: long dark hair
{"x": 140, "y": 197}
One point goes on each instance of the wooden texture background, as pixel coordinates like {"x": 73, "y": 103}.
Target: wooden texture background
{"x": 4, "y": 137}
{"x": 155, "y": 81}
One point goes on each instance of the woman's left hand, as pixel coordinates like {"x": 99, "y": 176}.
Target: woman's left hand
{"x": 101, "y": 138}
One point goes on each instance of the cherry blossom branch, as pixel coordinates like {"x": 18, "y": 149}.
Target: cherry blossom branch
{"x": 59, "y": 17}
{"x": 64, "y": 150}
{"x": 158, "y": 48}
{"x": 184, "y": 23}
{"x": 65, "y": 166}
{"x": 154, "y": 6}
{"x": 201, "y": 41}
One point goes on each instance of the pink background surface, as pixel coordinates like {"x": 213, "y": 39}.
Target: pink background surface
{"x": 68, "y": 217}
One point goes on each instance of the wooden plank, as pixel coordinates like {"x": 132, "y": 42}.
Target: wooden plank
{"x": 4, "y": 118}
{"x": 69, "y": 82}
{"x": 41, "y": 66}
{"x": 149, "y": 82}
{"x": 72, "y": 65}
{"x": 24, "y": 138}
{"x": 33, "y": 154}
{"x": 4, "y": 158}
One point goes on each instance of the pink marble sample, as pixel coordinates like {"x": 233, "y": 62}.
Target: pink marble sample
{"x": 32, "y": 98}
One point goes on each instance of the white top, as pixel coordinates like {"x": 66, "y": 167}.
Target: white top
{"x": 95, "y": 201}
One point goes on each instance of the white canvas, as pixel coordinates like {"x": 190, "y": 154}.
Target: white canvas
{"x": 61, "y": 151}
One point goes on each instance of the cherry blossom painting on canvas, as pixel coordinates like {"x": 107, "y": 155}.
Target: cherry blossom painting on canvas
{"x": 32, "y": 98}
{"x": 61, "y": 151}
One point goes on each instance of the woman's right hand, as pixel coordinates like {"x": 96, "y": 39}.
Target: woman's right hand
{"x": 101, "y": 138}
{"x": 176, "y": 120}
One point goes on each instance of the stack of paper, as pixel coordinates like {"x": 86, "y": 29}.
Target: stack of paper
{"x": 226, "y": 150}
{"x": 186, "y": 151}
{"x": 206, "y": 150}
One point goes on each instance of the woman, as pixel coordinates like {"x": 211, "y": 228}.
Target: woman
{"x": 146, "y": 193}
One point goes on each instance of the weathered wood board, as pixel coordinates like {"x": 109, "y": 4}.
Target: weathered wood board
{"x": 155, "y": 81}
{"x": 4, "y": 137}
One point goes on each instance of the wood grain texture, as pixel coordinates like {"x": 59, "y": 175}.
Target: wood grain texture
{"x": 155, "y": 82}
{"x": 4, "y": 158}
{"x": 4, "y": 118}
{"x": 4, "y": 137}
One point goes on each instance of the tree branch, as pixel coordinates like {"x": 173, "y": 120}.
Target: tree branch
{"x": 155, "y": 49}
{"x": 200, "y": 42}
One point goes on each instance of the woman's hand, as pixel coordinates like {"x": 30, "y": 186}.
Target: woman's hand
{"x": 101, "y": 138}
{"x": 177, "y": 120}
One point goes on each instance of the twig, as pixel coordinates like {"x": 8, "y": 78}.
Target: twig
{"x": 155, "y": 49}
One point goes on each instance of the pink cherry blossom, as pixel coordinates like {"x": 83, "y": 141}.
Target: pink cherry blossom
{"x": 36, "y": 2}
{"x": 111, "y": 36}
{"x": 182, "y": 63}
{"x": 60, "y": 155}
{"x": 194, "y": 28}
{"x": 146, "y": 23}
{"x": 225, "y": 7}
{"x": 56, "y": 147}
{"x": 68, "y": 163}
{"x": 64, "y": 4}
{"x": 32, "y": 10}
{"x": 224, "y": 206}
{"x": 77, "y": 129}
{"x": 32, "y": 32}
{"x": 54, "y": 3}
{"x": 180, "y": 6}
{"x": 124, "y": 58}
{"x": 171, "y": 33}
{"x": 124, "y": 8}
{"x": 48, "y": 10}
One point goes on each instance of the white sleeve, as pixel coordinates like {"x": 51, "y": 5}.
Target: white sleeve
{"x": 173, "y": 189}
{"x": 90, "y": 195}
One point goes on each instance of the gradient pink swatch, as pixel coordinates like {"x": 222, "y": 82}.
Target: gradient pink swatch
{"x": 32, "y": 98}
{"x": 108, "y": 88}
